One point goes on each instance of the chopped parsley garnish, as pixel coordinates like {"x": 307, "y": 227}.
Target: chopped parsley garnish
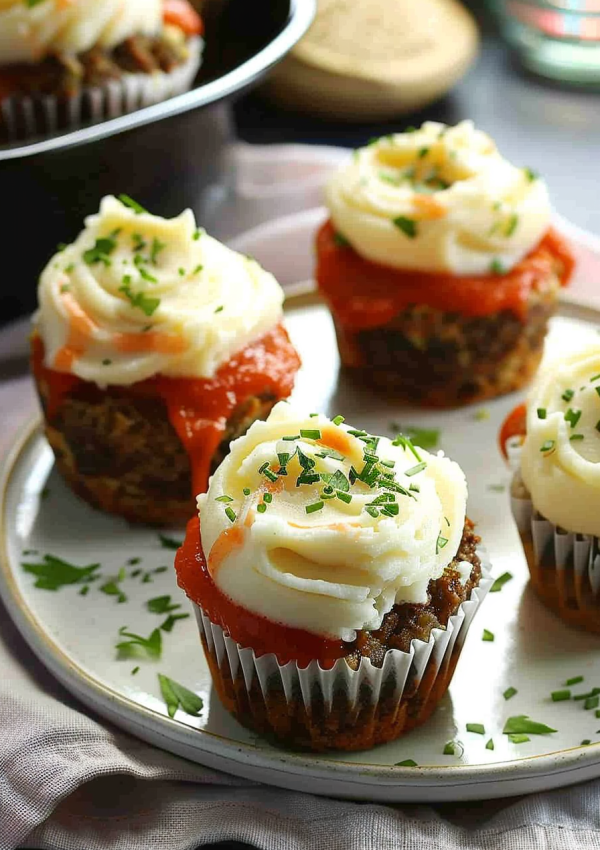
{"x": 137, "y": 645}
{"x": 169, "y": 542}
{"x": 340, "y": 240}
{"x": 145, "y": 303}
{"x": 541, "y": 413}
{"x": 53, "y": 573}
{"x": 509, "y": 693}
{"x": 500, "y": 582}
{"x": 513, "y": 223}
{"x": 101, "y": 251}
{"x": 568, "y": 395}
{"x": 408, "y": 226}
{"x": 521, "y": 724}
{"x": 560, "y": 696}
{"x": 177, "y": 697}
{"x": 168, "y": 624}
{"x": 310, "y": 434}
{"x": 496, "y": 266}
{"x": 572, "y": 417}
{"x": 316, "y": 506}
{"x": 487, "y": 636}
{"x": 477, "y": 728}
{"x": 127, "y": 201}
{"x": 111, "y": 588}
{"x": 161, "y": 605}
{"x": 518, "y": 739}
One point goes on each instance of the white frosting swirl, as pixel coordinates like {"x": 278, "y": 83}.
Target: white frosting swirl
{"x": 339, "y": 568}
{"x": 29, "y": 33}
{"x": 460, "y": 207}
{"x": 560, "y": 469}
{"x": 162, "y": 297}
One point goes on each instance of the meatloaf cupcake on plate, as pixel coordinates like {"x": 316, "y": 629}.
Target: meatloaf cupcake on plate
{"x": 63, "y": 64}
{"x": 154, "y": 346}
{"x": 440, "y": 266}
{"x": 334, "y": 576}
{"x": 554, "y": 444}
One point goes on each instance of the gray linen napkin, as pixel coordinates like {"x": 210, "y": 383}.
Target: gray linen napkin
{"x": 69, "y": 781}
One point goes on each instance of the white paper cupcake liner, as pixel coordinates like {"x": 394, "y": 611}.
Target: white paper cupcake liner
{"x": 401, "y": 674}
{"x": 563, "y": 563}
{"x": 25, "y": 118}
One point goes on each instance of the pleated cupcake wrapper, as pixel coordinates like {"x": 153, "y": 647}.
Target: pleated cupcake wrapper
{"x": 403, "y": 667}
{"x": 577, "y": 552}
{"x": 25, "y": 118}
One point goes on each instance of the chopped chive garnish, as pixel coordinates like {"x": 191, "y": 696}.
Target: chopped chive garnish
{"x": 127, "y": 201}
{"x": 343, "y": 497}
{"x": 181, "y": 272}
{"x": 337, "y": 420}
{"x": 594, "y": 692}
{"x": 509, "y": 693}
{"x": 230, "y": 514}
{"x": 482, "y": 414}
{"x": 521, "y": 724}
{"x": 340, "y": 240}
{"x": 261, "y": 508}
{"x": 513, "y": 223}
{"x": 289, "y": 439}
{"x": 408, "y": 226}
{"x": 196, "y": 235}
{"x": 490, "y": 744}
{"x": 575, "y": 438}
{"x": 414, "y": 470}
{"x": 560, "y": 696}
{"x": 597, "y": 712}
{"x": 268, "y": 498}
{"x": 440, "y": 543}
{"x": 598, "y": 425}
{"x": 576, "y": 680}
{"x": 568, "y": 395}
{"x": 530, "y": 174}
{"x": 597, "y": 390}
{"x": 268, "y": 473}
{"x": 372, "y": 511}
{"x": 586, "y": 742}
{"x": 478, "y": 728}
{"x": 451, "y": 747}
{"x": 500, "y": 582}
{"x": 135, "y": 670}
{"x": 316, "y": 506}
{"x": 572, "y": 417}
{"x": 516, "y": 738}
{"x": 157, "y": 247}
{"x": 219, "y": 309}
{"x": 310, "y": 434}
{"x": 487, "y": 636}
{"x": 592, "y": 702}
{"x": 541, "y": 412}
{"x": 224, "y": 498}
{"x": 246, "y": 491}
{"x": 356, "y": 433}
{"x": 406, "y": 763}
{"x": 496, "y": 266}
{"x": 198, "y": 269}
{"x": 547, "y": 446}
{"x": 84, "y": 590}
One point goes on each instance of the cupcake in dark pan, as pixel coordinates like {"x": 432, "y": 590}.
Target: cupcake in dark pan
{"x": 63, "y": 64}
{"x": 154, "y": 346}
{"x": 440, "y": 266}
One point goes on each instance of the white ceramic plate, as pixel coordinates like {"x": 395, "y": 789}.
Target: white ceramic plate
{"x": 535, "y": 653}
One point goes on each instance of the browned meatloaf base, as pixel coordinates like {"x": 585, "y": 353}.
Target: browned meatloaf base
{"x": 345, "y": 726}
{"x": 63, "y": 75}
{"x": 433, "y": 358}
{"x": 121, "y": 454}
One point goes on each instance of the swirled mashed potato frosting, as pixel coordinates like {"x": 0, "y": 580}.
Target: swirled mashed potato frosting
{"x": 138, "y": 295}
{"x": 31, "y": 31}
{"x": 321, "y": 527}
{"x": 560, "y": 457}
{"x": 438, "y": 199}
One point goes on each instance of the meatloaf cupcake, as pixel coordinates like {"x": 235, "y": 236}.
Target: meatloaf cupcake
{"x": 555, "y": 494}
{"x": 440, "y": 266}
{"x": 154, "y": 346}
{"x": 334, "y": 576}
{"x": 67, "y": 63}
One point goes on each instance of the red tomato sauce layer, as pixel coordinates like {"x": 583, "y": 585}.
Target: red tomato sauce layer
{"x": 363, "y": 294}
{"x": 248, "y": 629}
{"x": 199, "y": 407}
{"x": 515, "y": 425}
